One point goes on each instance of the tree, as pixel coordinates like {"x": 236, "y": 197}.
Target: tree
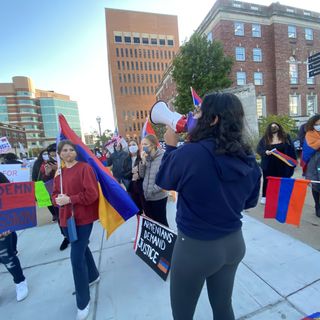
{"x": 201, "y": 64}
{"x": 101, "y": 141}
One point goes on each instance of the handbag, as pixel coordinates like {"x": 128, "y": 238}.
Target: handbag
{"x": 72, "y": 230}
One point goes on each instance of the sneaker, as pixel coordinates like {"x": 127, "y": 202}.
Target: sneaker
{"x": 94, "y": 281}
{"x": 64, "y": 244}
{"x": 263, "y": 200}
{"x": 22, "y": 290}
{"x": 83, "y": 314}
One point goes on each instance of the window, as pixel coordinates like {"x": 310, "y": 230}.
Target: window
{"x": 258, "y": 78}
{"x": 170, "y": 43}
{"x": 256, "y": 30}
{"x": 120, "y": 77}
{"x": 294, "y": 105}
{"x": 238, "y": 29}
{"x": 154, "y": 41}
{"x": 261, "y": 106}
{"x": 122, "y": 52}
{"x": 310, "y": 80}
{"x": 118, "y": 64}
{"x": 117, "y": 52}
{"x": 162, "y": 42}
{"x": 308, "y": 34}
{"x": 240, "y": 54}
{"x": 132, "y": 65}
{"x": 292, "y": 32}
{"x": 293, "y": 71}
{"x": 135, "y": 53}
{"x": 136, "y": 40}
{"x": 127, "y": 52}
{"x": 257, "y": 54}
{"x": 209, "y": 37}
{"x": 241, "y": 78}
{"x": 117, "y": 39}
{"x": 312, "y": 107}
{"x": 145, "y": 40}
{"x": 127, "y": 39}
{"x": 137, "y": 65}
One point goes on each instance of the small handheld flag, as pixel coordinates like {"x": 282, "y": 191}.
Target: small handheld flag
{"x": 197, "y": 101}
{"x": 147, "y": 129}
{"x": 285, "y": 158}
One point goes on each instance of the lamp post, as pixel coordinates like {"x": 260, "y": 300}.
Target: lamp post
{"x": 99, "y": 124}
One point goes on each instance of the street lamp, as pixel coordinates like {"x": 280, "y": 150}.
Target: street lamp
{"x": 99, "y": 124}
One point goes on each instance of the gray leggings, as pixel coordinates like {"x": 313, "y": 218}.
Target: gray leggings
{"x": 196, "y": 261}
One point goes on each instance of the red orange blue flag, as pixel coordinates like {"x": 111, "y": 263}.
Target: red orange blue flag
{"x": 115, "y": 204}
{"x": 195, "y": 98}
{"x": 285, "y": 158}
{"x": 285, "y": 199}
{"x": 147, "y": 129}
{"x": 310, "y": 146}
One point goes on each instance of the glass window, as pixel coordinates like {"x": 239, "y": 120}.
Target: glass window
{"x": 239, "y": 29}
{"x": 154, "y": 41}
{"x": 256, "y": 30}
{"x": 170, "y": 43}
{"x": 117, "y": 39}
{"x": 294, "y": 105}
{"x": 136, "y": 40}
{"x": 258, "y": 78}
{"x": 127, "y": 52}
{"x": 118, "y": 64}
{"x": 308, "y": 34}
{"x": 240, "y": 54}
{"x": 128, "y": 65}
{"x": 241, "y": 78}
{"x": 209, "y": 37}
{"x": 292, "y": 32}
{"x": 135, "y": 53}
{"x": 293, "y": 71}
{"x": 145, "y": 40}
{"x": 162, "y": 42}
{"x": 122, "y": 52}
{"x": 310, "y": 80}
{"x": 312, "y": 105}
{"x": 137, "y": 65}
{"x": 127, "y": 39}
{"x": 257, "y": 54}
{"x": 132, "y": 65}
{"x": 261, "y": 106}
{"x": 117, "y": 52}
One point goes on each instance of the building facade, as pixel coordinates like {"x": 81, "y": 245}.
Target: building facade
{"x": 140, "y": 48}
{"x": 15, "y": 135}
{"x": 270, "y": 46}
{"x": 36, "y": 111}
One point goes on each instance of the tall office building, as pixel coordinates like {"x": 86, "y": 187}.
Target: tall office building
{"x": 36, "y": 111}
{"x": 140, "y": 48}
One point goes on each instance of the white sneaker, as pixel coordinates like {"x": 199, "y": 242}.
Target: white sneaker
{"x": 263, "y": 200}
{"x": 94, "y": 281}
{"x": 83, "y": 314}
{"x": 22, "y": 290}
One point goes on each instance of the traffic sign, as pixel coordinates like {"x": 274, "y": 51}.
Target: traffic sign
{"x": 314, "y": 57}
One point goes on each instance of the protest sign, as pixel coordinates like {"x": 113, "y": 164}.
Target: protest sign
{"x": 5, "y": 145}
{"x": 17, "y": 206}
{"x": 16, "y": 172}
{"x": 154, "y": 245}
{"x": 42, "y": 195}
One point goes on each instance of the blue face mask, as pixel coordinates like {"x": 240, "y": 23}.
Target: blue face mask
{"x": 146, "y": 149}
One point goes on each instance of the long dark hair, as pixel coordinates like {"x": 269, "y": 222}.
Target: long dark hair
{"x": 227, "y": 133}
{"x": 281, "y": 133}
{"x": 311, "y": 122}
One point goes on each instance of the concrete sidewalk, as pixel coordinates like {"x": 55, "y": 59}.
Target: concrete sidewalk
{"x": 279, "y": 278}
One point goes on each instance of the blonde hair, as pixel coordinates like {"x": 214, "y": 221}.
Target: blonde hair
{"x": 153, "y": 140}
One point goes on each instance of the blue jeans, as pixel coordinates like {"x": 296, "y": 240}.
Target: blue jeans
{"x": 9, "y": 258}
{"x": 83, "y": 266}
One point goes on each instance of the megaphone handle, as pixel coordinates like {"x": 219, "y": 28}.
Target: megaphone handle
{"x": 180, "y": 126}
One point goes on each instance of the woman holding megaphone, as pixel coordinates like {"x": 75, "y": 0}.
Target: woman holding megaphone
{"x": 216, "y": 177}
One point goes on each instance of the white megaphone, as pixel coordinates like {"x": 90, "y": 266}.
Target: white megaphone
{"x": 161, "y": 114}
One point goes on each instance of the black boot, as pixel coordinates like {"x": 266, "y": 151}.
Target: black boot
{"x": 318, "y": 212}
{"x": 64, "y": 244}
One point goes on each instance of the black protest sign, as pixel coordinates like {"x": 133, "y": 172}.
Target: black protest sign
{"x": 154, "y": 245}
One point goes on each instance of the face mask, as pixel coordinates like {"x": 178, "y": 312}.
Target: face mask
{"x": 133, "y": 149}
{"x": 45, "y": 157}
{"x": 316, "y": 127}
{"x": 274, "y": 129}
{"x": 146, "y": 149}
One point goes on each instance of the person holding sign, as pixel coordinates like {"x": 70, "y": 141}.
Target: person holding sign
{"x": 76, "y": 192}
{"x": 216, "y": 177}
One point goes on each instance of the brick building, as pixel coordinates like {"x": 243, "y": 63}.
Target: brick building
{"x": 270, "y": 46}
{"x": 140, "y": 48}
{"x": 15, "y": 135}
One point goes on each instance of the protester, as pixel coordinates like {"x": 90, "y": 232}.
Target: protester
{"x": 79, "y": 197}
{"x": 313, "y": 165}
{"x": 156, "y": 197}
{"x": 8, "y": 243}
{"x": 216, "y": 177}
{"x": 116, "y": 160}
{"x": 274, "y": 138}
{"x": 131, "y": 166}
{"x": 11, "y": 158}
{"x": 36, "y": 174}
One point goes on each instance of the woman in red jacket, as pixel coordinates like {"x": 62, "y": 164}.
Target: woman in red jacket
{"x": 79, "y": 195}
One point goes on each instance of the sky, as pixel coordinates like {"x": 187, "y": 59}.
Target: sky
{"x": 61, "y": 45}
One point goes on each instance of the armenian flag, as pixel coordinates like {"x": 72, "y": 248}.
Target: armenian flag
{"x": 314, "y": 316}
{"x": 285, "y": 158}
{"x": 310, "y": 146}
{"x": 195, "y": 98}
{"x": 115, "y": 204}
{"x": 284, "y": 199}
{"x": 147, "y": 129}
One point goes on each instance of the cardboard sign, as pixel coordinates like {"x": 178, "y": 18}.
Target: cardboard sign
{"x": 16, "y": 172}
{"x": 5, "y": 145}
{"x": 42, "y": 195}
{"x": 17, "y": 206}
{"x": 154, "y": 245}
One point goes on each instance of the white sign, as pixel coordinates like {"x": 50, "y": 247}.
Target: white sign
{"x": 5, "y": 146}
{"x": 16, "y": 172}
